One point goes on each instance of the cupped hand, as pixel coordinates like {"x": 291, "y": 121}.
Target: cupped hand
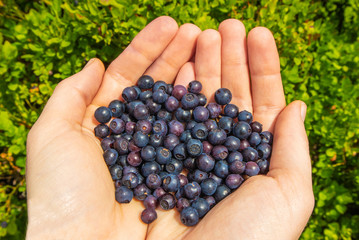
{"x": 70, "y": 191}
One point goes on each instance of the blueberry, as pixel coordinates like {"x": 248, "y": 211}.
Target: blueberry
{"x": 207, "y": 147}
{"x": 140, "y": 178}
{"x": 221, "y": 192}
{"x": 150, "y": 202}
{"x": 107, "y": 143}
{"x": 252, "y": 169}
{"x": 210, "y": 200}
{"x": 189, "y": 163}
{"x": 200, "y": 114}
{"x": 117, "y": 108}
{"x": 103, "y": 114}
{"x": 190, "y": 124}
{"x": 189, "y": 216}
{"x": 130, "y": 180}
{"x": 171, "y": 104}
{"x": 126, "y": 117}
{"x": 242, "y": 130}
{"x": 245, "y": 116}
{"x": 116, "y": 172}
{"x": 141, "y": 112}
{"x": 148, "y": 153}
{"x": 171, "y": 183}
{"x": 150, "y": 167}
{"x": 189, "y": 101}
{"x": 122, "y": 160}
{"x": 244, "y": 144}
{"x": 202, "y": 100}
{"x": 199, "y": 131}
{"x": 215, "y": 178}
{"x": 145, "y": 82}
{"x": 264, "y": 150}
{"x": 179, "y": 194}
{"x": 123, "y": 194}
{"x": 171, "y": 141}
{"x": 130, "y": 127}
{"x": 226, "y": 123}
{"x": 175, "y": 127}
{"x": 102, "y": 130}
{"x": 231, "y": 110}
{"x": 237, "y": 167}
{"x": 129, "y": 94}
{"x": 186, "y": 136}
{"x": 192, "y": 190}
{"x": 129, "y": 169}
{"x": 205, "y": 162}
{"x": 148, "y": 215}
{"x": 159, "y": 192}
{"x": 160, "y": 127}
{"x": 211, "y": 124}
{"x": 144, "y": 126}
{"x": 132, "y": 147}
{"x": 233, "y": 181}
{"x": 134, "y": 159}
{"x": 183, "y": 115}
{"x": 130, "y": 107}
{"x": 167, "y": 201}
{"x": 266, "y": 137}
{"x": 201, "y": 205}
{"x": 174, "y": 166}
{"x": 232, "y": 143}
{"x": 194, "y": 147}
{"x": 195, "y": 86}
{"x": 160, "y": 85}
{"x": 256, "y": 127}
{"x": 217, "y": 136}
{"x": 179, "y": 152}
{"x": 153, "y": 107}
{"x": 250, "y": 154}
{"x": 163, "y": 155}
{"x": 164, "y": 115}
{"x": 179, "y": 91}
{"x": 263, "y": 165}
{"x": 153, "y": 181}
{"x": 117, "y": 126}
{"x": 199, "y": 175}
{"x": 140, "y": 139}
{"x": 159, "y": 96}
{"x": 209, "y": 186}
{"x": 183, "y": 180}
{"x": 254, "y": 139}
{"x": 223, "y": 96}
{"x": 182, "y": 203}
{"x": 138, "y": 90}
{"x": 141, "y": 192}
{"x": 221, "y": 169}
{"x": 219, "y": 152}
{"x": 110, "y": 156}
{"x": 214, "y": 110}
{"x": 144, "y": 96}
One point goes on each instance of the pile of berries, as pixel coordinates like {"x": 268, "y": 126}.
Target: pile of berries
{"x": 164, "y": 145}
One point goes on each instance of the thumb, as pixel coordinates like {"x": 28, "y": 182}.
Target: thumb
{"x": 290, "y": 153}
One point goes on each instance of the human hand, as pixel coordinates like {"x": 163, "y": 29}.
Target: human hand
{"x": 70, "y": 192}
{"x": 275, "y": 206}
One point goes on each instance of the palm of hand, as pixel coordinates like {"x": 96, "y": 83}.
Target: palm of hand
{"x": 67, "y": 158}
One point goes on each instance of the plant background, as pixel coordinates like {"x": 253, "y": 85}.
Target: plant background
{"x": 43, "y": 42}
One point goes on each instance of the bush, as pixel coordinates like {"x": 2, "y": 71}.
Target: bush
{"x": 44, "y": 42}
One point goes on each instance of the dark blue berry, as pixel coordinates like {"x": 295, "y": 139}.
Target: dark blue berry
{"x": 221, "y": 169}
{"x": 130, "y": 127}
{"x": 207, "y": 147}
{"x": 103, "y": 114}
{"x": 145, "y": 82}
{"x": 201, "y": 205}
{"x": 163, "y": 155}
{"x": 219, "y": 152}
{"x": 250, "y": 154}
{"x": 126, "y": 117}
{"x": 117, "y": 108}
{"x": 116, "y": 172}
{"x": 199, "y": 175}
{"x": 263, "y": 165}
{"x": 129, "y": 169}
{"x": 221, "y": 192}
{"x": 171, "y": 183}
{"x": 150, "y": 202}
{"x": 175, "y": 127}
{"x": 141, "y": 192}
{"x": 264, "y": 150}
{"x": 252, "y": 169}
{"x": 117, "y": 126}
{"x": 232, "y": 143}
{"x": 254, "y": 139}
{"x": 244, "y": 144}
{"x": 138, "y": 90}
{"x": 195, "y": 86}
{"x": 210, "y": 200}
{"x": 191, "y": 124}
{"x": 214, "y": 110}
{"x": 102, "y": 130}
{"x": 231, "y": 110}
{"x": 215, "y": 178}
{"x": 242, "y": 130}
{"x": 132, "y": 147}
{"x": 174, "y": 166}
{"x": 171, "y": 104}
{"x": 160, "y": 96}
{"x": 245, "y": 116}
{"x": 186, "y": 136}
{"x": 183, "y": 115}
{"x": 202, "y": 100}
{"x": 217, "y": 136}
{"x": 153, "y": 181}
{"x": 107, "y": 143}
{"x": 159, "y": 192}
{"x": 130, "y": 107}
{"x": 182, "y": 203}
{"x": 192, "y": 190}
{"x": 223, "y": 96}
{"x": 189, "y": 101}
{"x": 129, "y": 94}
{"x": 134, "y": 159}
{"x": 150, "y": 167}
{"x": 144, "y": 126}
{"x": 233, "y": 181}
{"x": 226, "y": 123}
{"x": 156, "y": 140}
{"x": 183, "y": 180}
{"x": 123, "y": 194}
{"x": 153, "y": 107}
{"x": 179, "y": 152}
{"x": 194, "y": 147}
{"x": 141, "y": 112}
{"x": 266, "y": 137}
{"x": 256, "y": 127}
{"x": 164, "y": 115}
{"x": 148, "y": 153}
{"x": 160, "y": 127}
{"x": 237, "y": 167}
{"x": 208, "y": 186}
{"x": 140, "y": 139}
{"x": 160, "y": 85}
{"x": 171, "y": 141}
{"x": 130, "y": 180}
{"x": 148, "y": 215}
{"x": 205, "y": 162}
{"x": 190, "y": 163}
{"x": 167, "y": 201}
{"x": 179, "y": 91}
{"x": 144, "y": 96}
{"x": 211, "y": 124}
{"x": 199, "y": 131}
{"x": 189, "y": 216}
{"x": 110, "y": 156}
{"x": 200, "y": 114}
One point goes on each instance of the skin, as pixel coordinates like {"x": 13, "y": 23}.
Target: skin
{"x": 70, "y": 191}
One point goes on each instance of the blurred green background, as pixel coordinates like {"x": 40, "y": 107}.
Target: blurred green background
{"x": 43, "y": 42}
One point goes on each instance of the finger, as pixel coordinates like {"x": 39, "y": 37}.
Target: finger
{"x": 208, "y": 62}
{"x": 144, "y": 49}
{"x": 235, "y": 73}
{"x": 71, "y": 97}
{"x": 178, "y": 52}
{"x": 290, "y": 147}
{"x": 186, "y": 74}
{"x": 267, "y": 90}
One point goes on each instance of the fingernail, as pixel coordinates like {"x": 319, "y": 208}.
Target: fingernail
{"x": 303, "y": 110}
{"x": 89, "y": 62}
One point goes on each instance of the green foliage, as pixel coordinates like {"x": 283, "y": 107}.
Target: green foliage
{"x": 43, "y": 42}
